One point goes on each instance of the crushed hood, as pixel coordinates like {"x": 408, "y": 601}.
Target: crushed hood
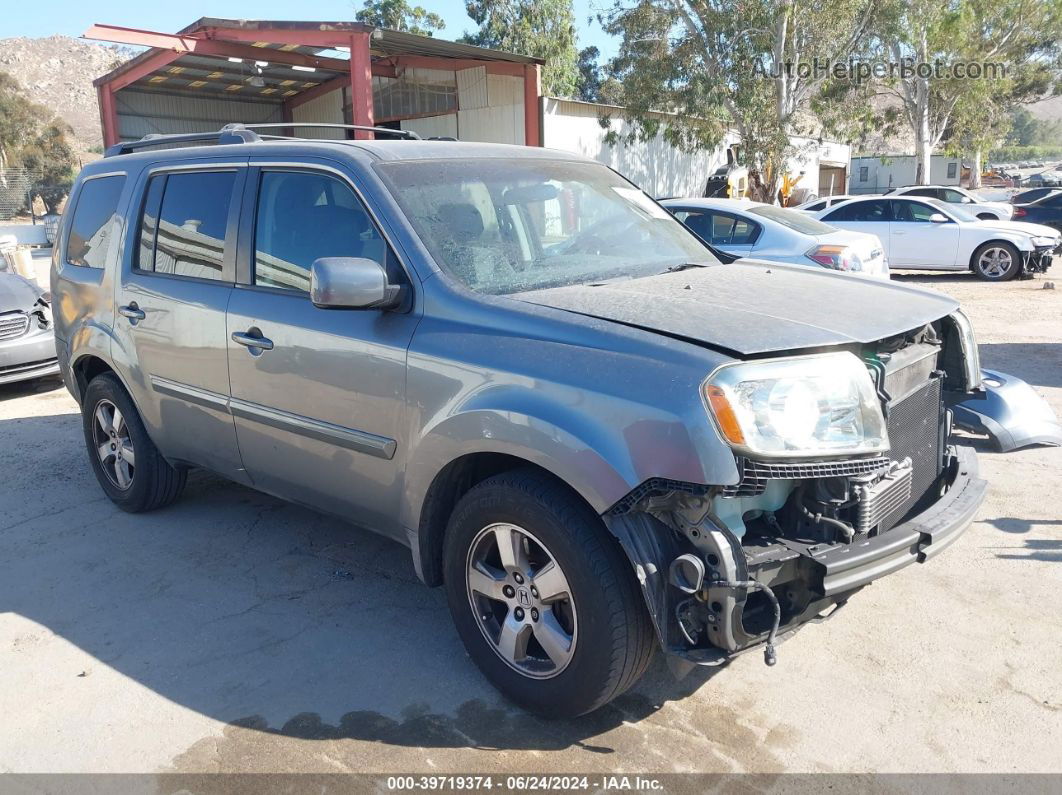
{"x": 754, "y": 308}
{"x": 17, "y": 293}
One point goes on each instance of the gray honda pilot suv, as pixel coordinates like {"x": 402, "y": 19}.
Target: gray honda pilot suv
{"x": 591, "y": 433}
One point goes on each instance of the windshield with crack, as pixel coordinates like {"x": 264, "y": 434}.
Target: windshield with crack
{"x": 507, "y": 226}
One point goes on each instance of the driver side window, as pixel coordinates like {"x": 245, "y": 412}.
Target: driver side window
{"x": 303, "y": 216}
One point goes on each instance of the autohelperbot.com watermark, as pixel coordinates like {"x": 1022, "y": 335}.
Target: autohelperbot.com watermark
{"x": 857, "y": 71}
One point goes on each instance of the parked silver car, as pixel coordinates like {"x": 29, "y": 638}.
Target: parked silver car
{"x": 776, "y": 234}
{"x": 27, "y": 344}
{"x": 593, "y": 435}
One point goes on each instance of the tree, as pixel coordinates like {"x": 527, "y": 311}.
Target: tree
{"x": 20, "y": 120}
{"x": 714, "y": 67}
{"x": 538, "y": 28}
{"x": 30, "y": 138}
{"x": 52, "y": 160}
{"x": 400, "y": 15}
{"x": 589, "y": 88}
{"x": 1001, "y": 38}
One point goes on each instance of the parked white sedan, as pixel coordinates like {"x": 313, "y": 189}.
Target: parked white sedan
{"x": 931, "y": 234}
{"x": 762, "y": 231}
{"x": 950, "y": 194}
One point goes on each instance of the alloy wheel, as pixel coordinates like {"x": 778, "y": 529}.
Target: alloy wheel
{"x": 113, "y": 445}
{"x": 994, "y": 262}
{"x": 521, "y": 600}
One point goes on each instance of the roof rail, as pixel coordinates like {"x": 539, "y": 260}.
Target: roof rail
{"x": 408, "y": 134}
{"x": 222, "y": 136}
{"x": 239, "y": 134}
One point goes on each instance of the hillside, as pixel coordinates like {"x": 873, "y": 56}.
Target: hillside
{"x": 1047, "y": 109}
{"x": 57, "y": 72}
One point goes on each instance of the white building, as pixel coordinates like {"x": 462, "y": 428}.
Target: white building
{"x": 879, "y": 173}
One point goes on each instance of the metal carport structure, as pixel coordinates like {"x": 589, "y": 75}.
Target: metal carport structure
{"x": 220, "y": 70}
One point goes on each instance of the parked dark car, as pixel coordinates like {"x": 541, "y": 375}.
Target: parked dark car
{"x": 1041, "y": 181}
{"x": 1032, "y": 195}
{"x": 27, "y": 343}
{"x": 1046, "y": 211}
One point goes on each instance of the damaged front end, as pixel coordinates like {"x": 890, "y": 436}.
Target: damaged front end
{"x": 729, "y": 568}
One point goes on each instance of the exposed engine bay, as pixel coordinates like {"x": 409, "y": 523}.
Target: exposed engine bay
{"x": 728, "y": 568}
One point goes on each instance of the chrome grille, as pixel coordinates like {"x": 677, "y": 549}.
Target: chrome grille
{"x": 13, "y": 324}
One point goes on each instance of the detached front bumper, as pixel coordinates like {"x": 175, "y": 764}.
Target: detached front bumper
{"x": 808, "y": 582}
{"x": 1039, "y": 260}
{"x": 846, "y": 567}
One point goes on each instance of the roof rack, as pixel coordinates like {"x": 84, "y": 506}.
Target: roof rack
{"x": 407, "y": 134}
{"x": 241, "y": 134}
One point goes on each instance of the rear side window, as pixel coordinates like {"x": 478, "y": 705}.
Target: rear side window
{"x": 183, "y": 224}
{"x": 875, "y": 210}
{"x": 91, "y": 232}
{"x": 302, "y": 217}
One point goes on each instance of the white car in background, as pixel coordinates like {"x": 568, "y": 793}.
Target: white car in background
{"x": 934, "y": 235}
{"x": 821, "y": 203}
{"x": 762, "y": 231}
{"x": 981, "y": 208}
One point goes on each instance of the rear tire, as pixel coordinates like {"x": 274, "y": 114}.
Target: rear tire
{"x": 128, "y": 466}
{"x": 598, "y": 634}
{"x": 996, "y": 261}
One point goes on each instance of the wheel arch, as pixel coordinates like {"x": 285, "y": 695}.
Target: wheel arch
{"x": 448, "y": 486}
{"x": 972, "y": 264}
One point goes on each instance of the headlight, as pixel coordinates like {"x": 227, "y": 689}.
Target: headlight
{"x": 821, "y": 405}
{"x": 971, "y": 357}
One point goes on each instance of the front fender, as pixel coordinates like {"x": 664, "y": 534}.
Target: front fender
{"x": 601, "y": 447}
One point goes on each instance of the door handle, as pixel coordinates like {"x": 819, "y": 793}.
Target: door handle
{"x": 252, "y": 341}
{"x": 133, "y": 312}
{"x": 899, "y": 233}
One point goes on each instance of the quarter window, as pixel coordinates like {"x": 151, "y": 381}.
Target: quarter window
{"x": 302, "y": 217}
{"x": 89, "y": 241}
{"x": 183, "y": 224}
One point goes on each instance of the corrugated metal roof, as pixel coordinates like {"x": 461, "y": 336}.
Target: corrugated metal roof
{"x": 207, "y": 74}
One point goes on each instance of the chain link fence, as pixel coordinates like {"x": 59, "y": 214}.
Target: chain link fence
{"x": 16, "y": 187}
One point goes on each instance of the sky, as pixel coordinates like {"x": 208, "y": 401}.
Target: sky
{"x": 73, "y": 17}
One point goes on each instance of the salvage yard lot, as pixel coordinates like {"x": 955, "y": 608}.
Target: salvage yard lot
{"x": 235, "y": 632}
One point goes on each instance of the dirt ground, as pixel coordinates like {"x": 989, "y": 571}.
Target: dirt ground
{"x": 234, "y": 632}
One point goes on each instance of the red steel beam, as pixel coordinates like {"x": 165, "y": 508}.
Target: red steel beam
{"x": 302, "y": 38}
{"x": 189, "y": 45}
{"x": 108, "y": 115}
{"x": 432, "y": 62}
{"x": 532, "y": 105}
{"x": 361, "y": 83}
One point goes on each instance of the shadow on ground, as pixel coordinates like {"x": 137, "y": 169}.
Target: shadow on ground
{"x": 27, "y": 388}
{"x": 932, "y": 277}
{"x": 254, "y": 611}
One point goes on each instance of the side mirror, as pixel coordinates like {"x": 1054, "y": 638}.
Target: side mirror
{"x": 938, "y": 218}
{"x": 351, "y": 283}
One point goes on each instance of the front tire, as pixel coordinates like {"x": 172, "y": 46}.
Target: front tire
{"x": 128, "y": 466}
{"x": 997, "y": 261}
{"x": 543, "y": 598}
